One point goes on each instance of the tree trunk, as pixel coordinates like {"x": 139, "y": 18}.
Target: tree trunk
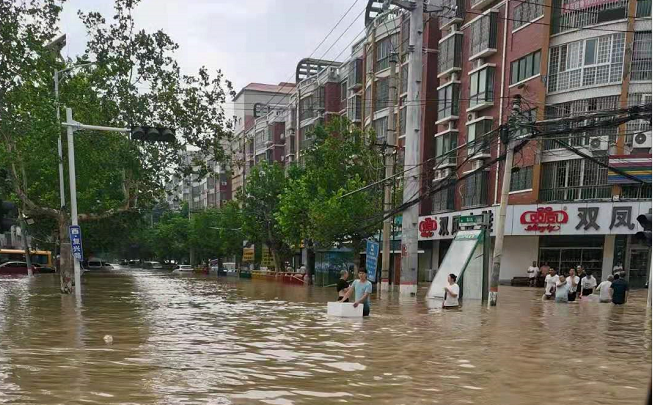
{"x": 276, "y": 257}
{"x": 66, "y": 269}
{"x": 310, "y": 260}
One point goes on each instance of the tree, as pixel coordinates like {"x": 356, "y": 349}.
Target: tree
{"x": 319, "y": 204}
{"x": 135, "y": 80}
{"x": 260, "y": 205}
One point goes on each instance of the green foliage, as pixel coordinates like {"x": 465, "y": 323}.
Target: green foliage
{"x": 314, "y": 205}
{"x": 260, "y": 206}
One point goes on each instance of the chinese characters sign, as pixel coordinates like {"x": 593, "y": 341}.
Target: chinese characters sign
{"x": 371, "y": 259}
{"x": 76, "y": 242}
{"x": 590, "y": 218}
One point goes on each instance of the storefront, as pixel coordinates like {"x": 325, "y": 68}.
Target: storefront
{"x": 596, "y": 235}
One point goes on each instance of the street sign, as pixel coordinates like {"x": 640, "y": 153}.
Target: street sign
{"x": 248, "y": 254}
{"x": 75, "y": 233}
{"x": 371, "y": 259}
{"x": 471, "y": 220}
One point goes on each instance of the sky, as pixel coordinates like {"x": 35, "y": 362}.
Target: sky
{"x": 250, "y": 40}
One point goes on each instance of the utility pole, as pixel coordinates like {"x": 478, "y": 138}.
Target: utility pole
{"x": 24, "y": 235}
{"x": 389, "y": 150}
{"x": 505, "y": 135}
{"x": 410, "y": 215}
{"x": 73, "y": 194}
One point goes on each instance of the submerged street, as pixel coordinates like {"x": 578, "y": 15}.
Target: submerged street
{"x": 203, "y": 339}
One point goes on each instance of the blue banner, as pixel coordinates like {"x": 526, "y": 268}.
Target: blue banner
{"x": 76, "y": 242}
{"x": 371, "y": 259}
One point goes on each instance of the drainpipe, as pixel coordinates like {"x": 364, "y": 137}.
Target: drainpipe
{"x": 503, "y": 80}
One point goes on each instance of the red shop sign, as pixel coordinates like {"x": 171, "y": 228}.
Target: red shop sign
{"x": 545, "y": 219}
{"x": 427, "y": 227}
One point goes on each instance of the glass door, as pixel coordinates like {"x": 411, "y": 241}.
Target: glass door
{"x": 638, "y": 268}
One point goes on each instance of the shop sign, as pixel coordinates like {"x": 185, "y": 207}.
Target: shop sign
{"x": 544, "y": 219}
{"x": 248, "y": 254}
{"x": 447, "y": 225}
{"x": 427, "y": 227}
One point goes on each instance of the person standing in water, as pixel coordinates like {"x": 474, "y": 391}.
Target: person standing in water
{"x": 562, "y": 289}
{"x": 342, "y": 286}
{"x": 451, "y": 293}
{"x": 362, "y": 289}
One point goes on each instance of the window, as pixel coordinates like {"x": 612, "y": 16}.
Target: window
{"x": 382, "y": 94}
{"x": 479, "y": 144}
{"x": 634, "y": 127}
{"x": 570, "y": 180}
{"x": 483, "y": 35}
{"x": 448, "y": 97}
{"x": 355, "y": 77}
{"x": 588, "y": 62}
{"x": 381, "y": 129}
{"x": 368, "y": 101}
{"x": 522, "y": 179}
{"x": 450, "y": 53}
{"x": 259, "y": 140}
{"x": 524, "y": 68}
{"x": 354, "y": 108}
{"x": 526, "y": 12}
{"x": 260, "y": 109}
{"x": 405, "y": 29}
{"x": 384, "y": 49}
{"x": 444, "y": 144}
{"x": 404, "y": 79}
{"x": 575, "y": 108}
{"x": 319, "y": 98}
{"x": 306, "y": 109}
{"x": 643, "y": 8}
{"x": 443, "y": 199}
{"x": 476, "y": 186}
{"x": 641, "y": 61}
{"x": 369, "y": 60}
{"x": 481, "y": 87}
{"x": 343, "y": 90}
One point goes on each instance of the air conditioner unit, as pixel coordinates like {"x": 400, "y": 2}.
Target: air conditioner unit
{"x": 441, "y": 174}
{"x": 477, "y": 63}
{"x": 598, "y": 143}
{"x": 642, "y": 140}
{"x": 471, "y": 116}
{"x": 477, "y": 164}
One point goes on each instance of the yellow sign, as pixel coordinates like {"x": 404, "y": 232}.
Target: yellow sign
{"x": 266, "y": 260}
{"x": 248, "y": 254}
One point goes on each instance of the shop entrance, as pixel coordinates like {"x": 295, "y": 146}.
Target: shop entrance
{"x": 564, "y": 253}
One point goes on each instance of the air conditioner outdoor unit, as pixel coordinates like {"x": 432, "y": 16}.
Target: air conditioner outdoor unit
{"x": 441, "y": 174}
{"x": 598, "y": 143}
{"x": 471, "y": 116}
{"x": 477, "y": 164}
{"x": 642, "y": 140}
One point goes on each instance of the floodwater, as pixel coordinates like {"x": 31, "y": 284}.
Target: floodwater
{"x": 209, "y": 340}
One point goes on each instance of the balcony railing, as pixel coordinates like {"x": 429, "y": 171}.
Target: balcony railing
{"x": 568, "y": 15}
{"x": 576, "y": 193}
{"x": 636, "y": 191}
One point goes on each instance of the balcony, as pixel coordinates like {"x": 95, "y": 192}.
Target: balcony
{"x": 568, "y": 16}
{"x": 483, "y": 36}
{"x": 450, "y": 54}
{"x": 448, "y": 107}
{"x": 576, "y": 193}
{"x": 476, "y": 190}
{"x": 354, "y": 109}
{"x": 355, "y": 76}
{"x": 480, "y": 4}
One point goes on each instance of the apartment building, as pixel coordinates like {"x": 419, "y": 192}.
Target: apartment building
{"x": 257, "y": 107}
{"x": 564, "y": 58}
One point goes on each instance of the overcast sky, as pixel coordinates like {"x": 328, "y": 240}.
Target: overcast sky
{"x": 250, "y": 40}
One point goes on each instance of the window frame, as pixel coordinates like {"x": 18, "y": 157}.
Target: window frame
{"x": 535, "y": 59}
{"x": 522, "y": 178}
{"x": 478, "y": 90}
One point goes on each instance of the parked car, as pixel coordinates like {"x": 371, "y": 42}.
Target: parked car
{"x": 16, "y": 268}
{"x": 183, "y": 268}
{"x": 152, "y": 265}
{"x": 97, "y": 264}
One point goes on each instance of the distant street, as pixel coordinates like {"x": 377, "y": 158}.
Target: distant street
{"x": 203, "y": 339}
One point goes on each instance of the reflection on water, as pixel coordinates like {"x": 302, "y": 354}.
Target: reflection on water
{"x": 195, "y": 340}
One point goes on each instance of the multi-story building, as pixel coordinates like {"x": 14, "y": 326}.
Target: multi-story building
{"x": 257, "y": 107}
{"x": 564, "y": 58}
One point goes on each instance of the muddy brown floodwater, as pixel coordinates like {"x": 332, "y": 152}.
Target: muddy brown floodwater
{"x": 208, "y": 340}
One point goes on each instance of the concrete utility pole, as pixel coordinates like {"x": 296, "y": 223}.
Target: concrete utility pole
{"x": 503, "y": 207}
{"x": 23, "y": 231}
{"x": 410, "y": 215}
{"x": 389, "y": 150}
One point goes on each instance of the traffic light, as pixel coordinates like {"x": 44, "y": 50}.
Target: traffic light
{"x": 8, "y": 213}
{"x": 152, "y": 134}
{"x": 645, "y": 221}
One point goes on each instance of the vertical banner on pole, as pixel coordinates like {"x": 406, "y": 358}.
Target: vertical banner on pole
{"x": 76, "y": 242}
{"x": 371, "y": 259}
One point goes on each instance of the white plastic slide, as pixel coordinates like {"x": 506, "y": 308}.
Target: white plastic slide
{"x": 458, "y": 258}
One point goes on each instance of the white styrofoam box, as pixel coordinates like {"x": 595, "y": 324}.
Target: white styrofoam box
{"x": 344, "y": 309}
